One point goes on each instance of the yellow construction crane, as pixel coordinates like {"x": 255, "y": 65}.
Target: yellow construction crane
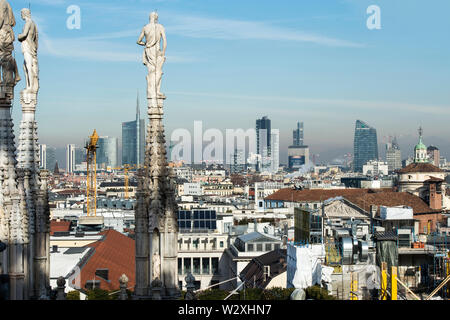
{"x": 126, "y": 168}
{"x": 91, "y": 185}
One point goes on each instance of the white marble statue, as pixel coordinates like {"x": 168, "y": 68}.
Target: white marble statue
{"x": 153, "y": 56}
{"x": 9, "y": 74}
{"x": 156, "y": 266}
{"x": 29, "y": 40}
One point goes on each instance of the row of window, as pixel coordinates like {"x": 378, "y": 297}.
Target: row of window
{"x": 259, "y": 247}
{"x": 197, "y": 215}
{"x": 198, "y": 266}
{"x": 202, "y": 224}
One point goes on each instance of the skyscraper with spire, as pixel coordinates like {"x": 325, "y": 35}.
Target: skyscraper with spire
{"x": 133, "y": 139}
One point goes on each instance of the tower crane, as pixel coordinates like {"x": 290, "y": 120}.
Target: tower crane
{"x": 91, "y": 185}
{"x": 126, "y": 168}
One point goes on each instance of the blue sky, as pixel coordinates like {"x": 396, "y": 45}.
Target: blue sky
{"x": 230, "y": 62}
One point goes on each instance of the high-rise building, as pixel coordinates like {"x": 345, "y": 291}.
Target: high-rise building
{"x": 238, "y": 162}
{"x": 70, "y": 158}
{"x": 80, "y": 155}
{"x": 275, "y": 144}
{"x": 365, "y": 145}
{"x": 263, "y": 143}
{"x": 393, "y": 156}
{"x": 107, "y": 152}
{"x": 298, "y": 135}
{"x": 133, "y": 140}
{"x": 50, "y": 158}
{"x": 298, "y": 153}
{"x": 43, "y": 156}
{"x": 434, "y": 155}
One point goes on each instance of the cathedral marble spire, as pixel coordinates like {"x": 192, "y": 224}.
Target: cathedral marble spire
{"x": 156, "y": 210}
{"x": 24, "y": 212}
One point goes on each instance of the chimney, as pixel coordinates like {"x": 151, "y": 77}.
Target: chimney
{"x": 373, "y": 211}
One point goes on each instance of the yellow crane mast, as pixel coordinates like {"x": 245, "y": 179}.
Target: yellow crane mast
{"x": 91, "y": 184}
{"x": 126, "y": 168}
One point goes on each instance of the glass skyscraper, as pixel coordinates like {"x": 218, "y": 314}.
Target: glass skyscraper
{"x": 365, "y": 145}
{"x": 298, "y": 135}
{"x": 107, "y": 151}
{"x": 133, "y": 140}
{"x": 263, "y": 143}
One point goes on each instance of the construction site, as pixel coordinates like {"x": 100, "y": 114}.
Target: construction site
{"x": 365, "y": 259}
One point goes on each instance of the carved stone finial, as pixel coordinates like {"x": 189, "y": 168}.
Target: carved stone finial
{"x": 123, "y": 281}
{"x": 190, "y": 287}
{"x": 60, "y": 295}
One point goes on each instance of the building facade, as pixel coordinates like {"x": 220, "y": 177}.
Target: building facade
{"x": 393, "y": 156}
{"x": 298, "y": 135}
{"x": 107, "y": 152}
{"x": 133, "y": 140}
{"x": 263, "y": 142}
{"x": 365, "y": 145}
{"x": 70, "y": 158}
{"x": 43, "y": 156}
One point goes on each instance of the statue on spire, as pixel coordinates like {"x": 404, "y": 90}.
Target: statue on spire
{"x": 9, "y": 74}
{"x": 29, "y": 40}
{"x": 153, "y": 56}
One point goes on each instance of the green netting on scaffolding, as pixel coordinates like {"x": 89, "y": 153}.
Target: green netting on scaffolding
{"x": 387, "y": 252}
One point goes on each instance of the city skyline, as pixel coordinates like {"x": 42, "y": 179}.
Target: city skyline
{"x": 330, "y": 69}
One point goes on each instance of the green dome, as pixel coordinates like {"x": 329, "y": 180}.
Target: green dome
{"x": 420, "y": 145}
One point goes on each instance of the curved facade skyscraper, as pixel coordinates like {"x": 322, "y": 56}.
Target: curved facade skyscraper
{"x": 365, "y": 145}
{"x": 133, "y": 140}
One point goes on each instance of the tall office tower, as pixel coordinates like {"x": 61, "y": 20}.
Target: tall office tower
{"x": 43, "y": 156}
{"x": 238, "y": 163}
{"x": 434, "y": 155}
{"x": 365, "y": 145}
{"x": 298, "y": 135}
{"x": 298, "y": 153}
{"x": 275, "y": 143}
{"x": 393, "y": 156}
{"x": 70, "y": 158}
{"x": 51, "y": 158}
{"x": 263, "y": 143}
{"x": 133, "y": 140}
{"x": 107, "y": 152}
{"x": 80, "y": 155}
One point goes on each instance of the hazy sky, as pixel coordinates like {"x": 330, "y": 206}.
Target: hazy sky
{"x": 231, "y": 62}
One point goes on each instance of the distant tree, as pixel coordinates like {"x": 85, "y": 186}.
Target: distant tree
{"x": 213, "y": 294}
{"x": 73, "y": 295}
{"x": 98, "y": 294}
{"x": 278, "y": 293}
{"x": 318, "y": 293}
{"x": 251, "y": 294}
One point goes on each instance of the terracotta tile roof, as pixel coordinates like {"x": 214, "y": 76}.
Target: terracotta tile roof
{"x": 311, "y": 195}
{"x": 420, "y": 167}
{"x": 390, "y": 199}
{"x": 59, "y": 226}
{"x": 115, "y": 252}
{"x": 363, "y": 198}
